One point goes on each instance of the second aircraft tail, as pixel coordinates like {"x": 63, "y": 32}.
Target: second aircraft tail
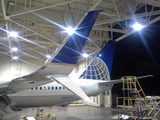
{"x": 100, "y": 67}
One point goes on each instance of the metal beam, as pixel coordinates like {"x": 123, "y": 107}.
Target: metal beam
{"x": 99, "y": 38}
{"x": 136, "y": 16}
{"x": 150, "y": 2}
{"x": 109, "y": 29}
{"x": 91, "y": 8}
{"x": 123, "y": 36}
{"x": 41, "y": 8}
{"x": 129, "y": 33}
{"x": 46, "y": 32}
{"x": 35, "y": 32}
{"x": 109, "y": 14}
{"x": 115, "y": 6}
{"x": 42, "y": 42}
{"x": 6, "y": 18}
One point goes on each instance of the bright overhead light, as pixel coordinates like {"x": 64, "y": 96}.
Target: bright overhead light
{"x": 13, "y": 34}
{"x": 99, "y": 55}
{"x": 137, "y": 26}
{"x": 48, "y": 56}
{"x": 85, "y": 55}
{"x": 15, "y": 57}
{"x": 70, "y": 30}
{"x": 14, "y": 49}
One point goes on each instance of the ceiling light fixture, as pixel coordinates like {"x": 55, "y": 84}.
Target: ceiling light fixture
{"x": 70, "y": 30}
{"x": 85, "y": 55}
{"x": 15, "y": 57}
{"x": 137, "y": 26}
{"x": 48, "y": 56}
{"x": 13, "y": 34}
{"x": 14, "y": 49}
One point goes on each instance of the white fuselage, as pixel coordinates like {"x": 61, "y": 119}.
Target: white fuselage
{"x": 54, "y": 94}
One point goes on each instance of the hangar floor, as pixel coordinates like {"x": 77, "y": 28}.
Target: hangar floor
{"x": 72, "y": 113}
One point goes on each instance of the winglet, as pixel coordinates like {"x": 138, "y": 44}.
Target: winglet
{"x": 71, "y": 49}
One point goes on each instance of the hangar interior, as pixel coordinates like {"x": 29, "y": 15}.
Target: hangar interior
{"x": 40, "y": 26}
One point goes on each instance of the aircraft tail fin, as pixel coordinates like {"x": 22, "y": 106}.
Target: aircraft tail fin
{"x": 100, "y": 67}
{"x": 71, "y": 49}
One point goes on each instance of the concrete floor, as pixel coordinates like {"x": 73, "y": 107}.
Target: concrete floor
{"x": 70, "y": 113}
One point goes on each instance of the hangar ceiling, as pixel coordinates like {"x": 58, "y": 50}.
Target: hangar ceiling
{"x": 39, "y": 23}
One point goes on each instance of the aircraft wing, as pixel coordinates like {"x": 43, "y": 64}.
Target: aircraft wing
{"x": 32, "y": 80}
{"x": 73, "y": 87}
{"x": 61, "y": 62}
{"x": 26, "y": 82}
{"x": 104, "y": 83}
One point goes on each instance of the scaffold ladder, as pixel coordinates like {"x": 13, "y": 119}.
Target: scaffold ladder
{"x": 155, "y": 109}
{"x": 18, "y": 69}
{"x": 132, "y": 87}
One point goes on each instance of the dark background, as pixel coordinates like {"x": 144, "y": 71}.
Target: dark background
{"x": 138, "y": 55}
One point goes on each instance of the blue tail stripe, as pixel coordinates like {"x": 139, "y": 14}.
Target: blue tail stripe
{"x": 72, "y": 49}
{"x": 107, "y": 54}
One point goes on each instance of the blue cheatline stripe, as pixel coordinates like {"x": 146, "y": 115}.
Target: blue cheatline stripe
{"x": 72, "y": 49}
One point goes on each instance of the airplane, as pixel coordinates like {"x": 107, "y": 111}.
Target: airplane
{"x": 58, "y": 67}
{"x": 51, "y": 84}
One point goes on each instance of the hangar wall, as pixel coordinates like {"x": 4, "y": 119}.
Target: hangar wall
{"x": 13, "y": 69}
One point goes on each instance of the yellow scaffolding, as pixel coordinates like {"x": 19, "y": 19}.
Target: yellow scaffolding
{"x": 134, "y": 101}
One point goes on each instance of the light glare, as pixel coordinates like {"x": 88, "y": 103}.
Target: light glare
{"x": 13, "y": 34}
{"x": 48, "y": 56}
{"x": 15, "y": 57}
{"x": 14, "y": 49}
{"x": 137, "y": 26}
{"x": 85, "y": 55}
{"x": 70, "y": 30}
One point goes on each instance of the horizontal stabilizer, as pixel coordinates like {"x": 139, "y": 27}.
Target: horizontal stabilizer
{"x": 73, "y": 87}
{"x": 120, "y": 80}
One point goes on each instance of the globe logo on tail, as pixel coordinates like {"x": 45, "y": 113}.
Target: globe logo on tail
{"x": 97, "y": 70}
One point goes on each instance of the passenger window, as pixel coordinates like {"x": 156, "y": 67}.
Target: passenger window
{"x": 40, "y": 88}
{"x": 60, "y": 88}
{"x": 56, "y": 88}
{"x": 63, "y": 87}
{"x": 52, "y": 88}
{"x": 44, "y": 88}
{"x": 48, "y": 88}
{"x": 36, "y": 88}
{"x": 31, "y": 88}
